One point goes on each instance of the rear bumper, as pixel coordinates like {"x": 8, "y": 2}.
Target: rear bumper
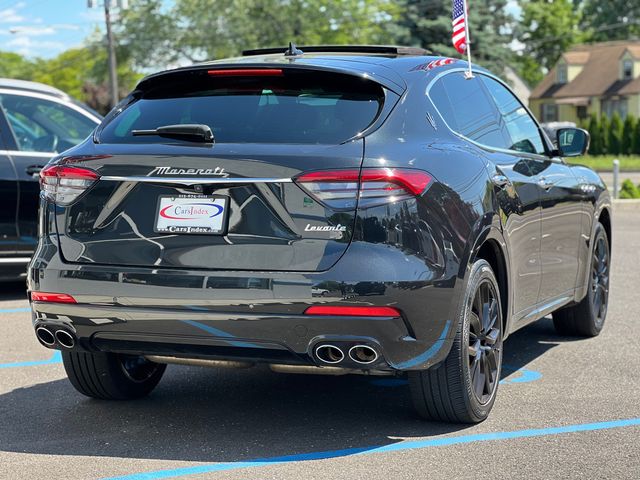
{"x": 257, "y": 316}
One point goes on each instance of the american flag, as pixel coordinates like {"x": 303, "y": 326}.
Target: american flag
{"x": 459, "y": 26}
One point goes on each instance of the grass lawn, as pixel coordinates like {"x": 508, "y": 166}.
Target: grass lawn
{"x": 604, "y": 163}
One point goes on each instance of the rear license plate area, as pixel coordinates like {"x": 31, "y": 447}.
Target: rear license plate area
{"x": 192, "y": 214}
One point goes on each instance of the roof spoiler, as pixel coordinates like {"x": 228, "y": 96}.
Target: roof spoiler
{"x": 367, "y": 49}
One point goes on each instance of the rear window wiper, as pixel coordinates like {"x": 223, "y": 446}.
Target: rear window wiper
{"x": 192, "y": 131}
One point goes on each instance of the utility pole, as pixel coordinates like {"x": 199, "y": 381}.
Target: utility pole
{"x": 113, "y": 64}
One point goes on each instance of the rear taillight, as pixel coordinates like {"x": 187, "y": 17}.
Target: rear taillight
{"x": 63, "y": 185}
{"x": 342, "y": 189}
{"x": 52, "y": 297}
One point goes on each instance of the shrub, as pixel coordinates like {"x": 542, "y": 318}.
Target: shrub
{"x": 604, "y": 134}
{"x": 629, "y": 190}
{"x": 594, "y": 131}
{"x": 614, "y": 145}
{"x": 628, "y": 131}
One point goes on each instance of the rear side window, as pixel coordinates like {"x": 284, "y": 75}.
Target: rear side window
{"x": 465, "y": 106}
{"x": 300, "y": 107}
{"x": 40, "y": 125}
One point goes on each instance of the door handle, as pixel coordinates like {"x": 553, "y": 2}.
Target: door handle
{"x": 500, "y": 180}
{"x": 545, "y": 183}
{"x": 34, "y": 170}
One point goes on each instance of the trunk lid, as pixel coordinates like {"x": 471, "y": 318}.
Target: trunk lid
{"x": 273, "y": 224}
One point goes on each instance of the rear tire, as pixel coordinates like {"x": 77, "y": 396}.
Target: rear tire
{"x": 586, "y": 319}
{"x": 110, "y": 376}
{"x": 463, "y": 388}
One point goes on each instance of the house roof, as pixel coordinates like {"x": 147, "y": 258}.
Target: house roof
{"x": 599, "y": 75}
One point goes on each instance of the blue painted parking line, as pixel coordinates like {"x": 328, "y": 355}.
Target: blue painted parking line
{"x": 395, "y": 447}
{"x": 525, "y": 376}
{"x": 14, "y": 310}
{"x": 55, "y": 358}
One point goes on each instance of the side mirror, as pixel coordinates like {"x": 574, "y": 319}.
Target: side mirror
{"x": 572, "y": 142}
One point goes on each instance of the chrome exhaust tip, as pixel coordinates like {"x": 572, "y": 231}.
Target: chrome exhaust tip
{"x": 45, "y": 336}
{"x": 65, "y": 339}
{"x": 329, "y": 354}
{"x": 363, "y": 354}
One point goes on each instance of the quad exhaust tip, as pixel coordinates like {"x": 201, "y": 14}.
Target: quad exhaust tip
{"x": 65, "y": 339}
{"x": 363, "y": 354}
{"x": 45, "y": 336}
{"x": 329, "y": 354}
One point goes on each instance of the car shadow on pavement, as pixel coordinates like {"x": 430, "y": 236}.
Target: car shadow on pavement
{"x": 13, "y": 291}
{"x": 206, "y": 415}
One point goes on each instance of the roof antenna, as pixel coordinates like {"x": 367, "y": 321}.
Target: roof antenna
{"x": 293, "y": 51}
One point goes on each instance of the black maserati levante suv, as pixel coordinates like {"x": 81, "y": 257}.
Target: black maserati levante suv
{"x": 200, "y": 222}
{"x": 36, "y": 123}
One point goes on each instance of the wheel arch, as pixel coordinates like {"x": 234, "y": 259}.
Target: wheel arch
{"x": 605, "y": 219}
{"x": 492, "y": 248}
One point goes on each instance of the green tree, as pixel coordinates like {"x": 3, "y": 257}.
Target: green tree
{"x": 427, "y": 23}
{"x": 596, "y": 140}
{"x": 197, "y": 30}
{"x": 604, "y": 134}
{"x": 627, "y": 135}
{"x": 612, "y": 19}
{"x": 636, "y": 139}
{"x": 547, "y": 29}
{"x": 614, "y": 144}
{"x": 13, "y": 65}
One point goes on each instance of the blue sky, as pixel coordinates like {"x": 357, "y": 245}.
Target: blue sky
{"x": 44, "y": 28}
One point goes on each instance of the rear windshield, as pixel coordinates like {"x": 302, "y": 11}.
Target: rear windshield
{"x": 289, "y": 107}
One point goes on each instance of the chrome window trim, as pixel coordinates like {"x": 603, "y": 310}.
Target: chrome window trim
{"x": 28, "y": 153}
{"x": 533, "y": 156}
{"x": 51, "y": 99}
{"x": 194, "y": 180}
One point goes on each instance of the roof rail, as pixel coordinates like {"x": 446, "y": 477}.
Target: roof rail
{"x": 370, "y": 49}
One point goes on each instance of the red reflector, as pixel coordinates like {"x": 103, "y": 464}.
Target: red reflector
{"x": 247, "y": 72}
{"x": 352, "y": 311}
{"x": 52, "y": 297}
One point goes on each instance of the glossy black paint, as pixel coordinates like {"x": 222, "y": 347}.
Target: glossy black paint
{"x": 138, "y": 293}
{"x": 19, "y": 182}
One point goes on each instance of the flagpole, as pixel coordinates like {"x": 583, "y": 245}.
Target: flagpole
{"x": 469, "y": 73}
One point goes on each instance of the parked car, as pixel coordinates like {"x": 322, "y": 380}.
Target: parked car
{"x": 36, "y": 123}
{"x": 377, "y": 166}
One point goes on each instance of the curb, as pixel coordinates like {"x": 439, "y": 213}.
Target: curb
{"x": 627, "y": 205}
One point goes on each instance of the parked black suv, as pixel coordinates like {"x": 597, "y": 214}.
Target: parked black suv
{"x": 199, "y": 222}
{"x": 36, "y": 123}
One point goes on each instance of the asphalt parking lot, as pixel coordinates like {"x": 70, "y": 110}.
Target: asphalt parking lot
{"x": 566, "y": 408}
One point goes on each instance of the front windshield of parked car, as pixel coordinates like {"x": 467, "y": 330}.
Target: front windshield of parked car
{"x": 307, "y": 108}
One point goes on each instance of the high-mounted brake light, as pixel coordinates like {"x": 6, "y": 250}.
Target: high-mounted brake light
{"x": 63, "y": 185}
{"x": 344, "y": 311}
{"x": 52, "y": 297}
{"x": 341, "y": 189}
{"x": 246, "y": 72}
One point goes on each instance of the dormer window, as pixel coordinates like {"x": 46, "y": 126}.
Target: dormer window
{"x": 562, "y": 74}
{"x": 627, "y": 69}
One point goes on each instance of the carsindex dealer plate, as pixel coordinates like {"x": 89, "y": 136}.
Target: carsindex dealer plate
{"x": 192, "y": 214}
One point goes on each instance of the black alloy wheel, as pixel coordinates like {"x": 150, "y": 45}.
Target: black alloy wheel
{"x": 485, "y": 342}
{"x": 463, "y": 387}
{"x": 586, "y": 318}
{"x": 600, "y": 279}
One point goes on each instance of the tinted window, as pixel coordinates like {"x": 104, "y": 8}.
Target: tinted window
{"x": 524, "y": 133}
{"x": 465, "y": 106}
{"x": 40, "y": 125}
{"x": 295, "y": 107}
